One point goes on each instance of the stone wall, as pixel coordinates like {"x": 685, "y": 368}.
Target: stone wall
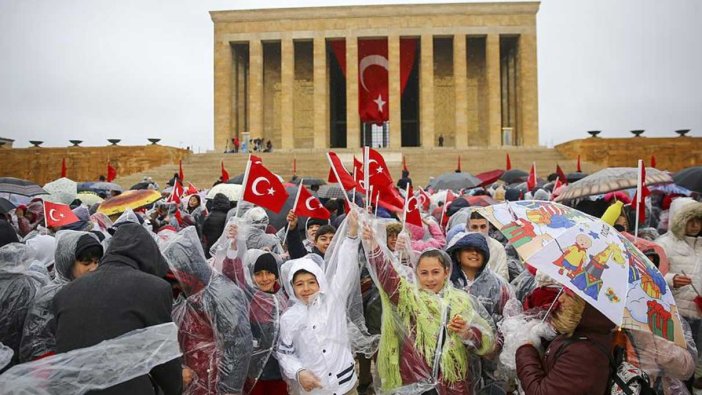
{"x": 42, "y": 165}
{"x": 671, "y": 154}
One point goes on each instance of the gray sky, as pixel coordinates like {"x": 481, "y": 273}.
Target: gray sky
{"x": 132, "y": 69}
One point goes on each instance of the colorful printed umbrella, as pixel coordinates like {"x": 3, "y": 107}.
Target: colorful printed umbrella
{"x": 593, "y": 260}
{"x": 612, "y": 179}
{"x": 128, "y": 199}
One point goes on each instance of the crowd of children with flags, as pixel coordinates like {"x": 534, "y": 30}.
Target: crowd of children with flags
{"x": 390, "y": 288}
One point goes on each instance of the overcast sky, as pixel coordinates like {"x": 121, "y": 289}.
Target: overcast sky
{"x": 132, "y": 69}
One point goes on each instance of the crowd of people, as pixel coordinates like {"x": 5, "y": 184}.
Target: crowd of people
{"x": 356, "y": 303}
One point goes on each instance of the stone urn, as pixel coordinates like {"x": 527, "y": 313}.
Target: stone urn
{"x": 76, "y": 143}
{"x": 682, "y": 132}
{"x": 594, "y": 133}
{"x": 154, "y": 141}
{"x": 114, "y": 141}
{"x": 637, "y": 133}
{"x": 36, "y": 143}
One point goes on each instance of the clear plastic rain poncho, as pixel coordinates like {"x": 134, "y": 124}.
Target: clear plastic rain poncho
{"x": 6, "y": 354}
{"x": 213, "y": 325}
{"x": 103, "y": 365}
{"x": 40, "y": 326}
{"x": 237, "y": 263}
{"x": 18, "y": 288}
{"x": 417, "y": 351}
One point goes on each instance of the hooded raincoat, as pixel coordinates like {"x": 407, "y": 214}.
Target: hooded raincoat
{"x": 126, "y": 292}
{"x": 213, "y": 326}
{"x": 213, "y": 225}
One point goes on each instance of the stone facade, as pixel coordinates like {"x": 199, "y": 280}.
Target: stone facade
{"x": 42, "y": 165}
{"x": 272, "y": 72}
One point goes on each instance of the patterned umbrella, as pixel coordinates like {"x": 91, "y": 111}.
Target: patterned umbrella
{"x": 612, "y": 179}
{"x": 128, "y": 199}
{"x": 592, "y": 259}
{"x": 89, "y": 198}
{"x": 62, "y": 190}
{"x": 18, "y": 186}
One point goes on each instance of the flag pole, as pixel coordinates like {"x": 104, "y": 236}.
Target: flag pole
{"x": 246, "y": 179}
{"x": 366, "y": 176}
{"x": 404, "y": 209}
{"x": 338, "y": 180}
{"x": 377, "y": 198}
{"x": 443, "y": 208}
{"x": 639, "y": 190}
{"x": 353, "y": 191}
{"x": 297, "y": 198}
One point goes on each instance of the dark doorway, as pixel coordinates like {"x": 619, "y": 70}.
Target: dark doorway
{"x": 337, "y": 102}
{"x": 410, "y": 106}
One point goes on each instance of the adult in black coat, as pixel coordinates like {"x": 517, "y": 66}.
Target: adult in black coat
{"x": 403, "y": 182}
{"x": 126, "y": 292}
{"x": 213, "y": 226}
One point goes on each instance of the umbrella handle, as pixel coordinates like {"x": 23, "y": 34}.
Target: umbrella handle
{"x": 551, "y": 306}
{"x": 691, "y": 284}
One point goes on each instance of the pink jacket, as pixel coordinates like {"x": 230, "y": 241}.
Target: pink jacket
{"x": 437, "y": 240}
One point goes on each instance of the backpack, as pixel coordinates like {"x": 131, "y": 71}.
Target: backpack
{"x": 624, "y": 378}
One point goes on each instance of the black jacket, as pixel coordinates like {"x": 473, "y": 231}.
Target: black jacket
{"x": 124, "y": 293}
{"x": 214, "y": 224}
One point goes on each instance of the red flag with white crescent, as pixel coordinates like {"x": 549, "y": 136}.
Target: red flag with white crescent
{"x": 191, "y": 189}
{"x": 378, "y": 169}
{"x": 337, "y": 172}
{"x": 263, "y": 188}
{"x": 58, "y": 214}
{"x": 424, "y": 199}
{"x": 309, "y": 206}
{"x": 412, "y": 214}
{"x": 176, "y": 192}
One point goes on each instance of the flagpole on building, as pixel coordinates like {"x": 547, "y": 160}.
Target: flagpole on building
{"x": 246, "y": 179}
{"x": 639, "y": 191}
{"x": 338, "y": 180}
{"x": 297, "y": 198}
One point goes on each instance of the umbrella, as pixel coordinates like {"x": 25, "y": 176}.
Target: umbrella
{"x": 313, "y": 181}
{"x": 236, "y": 180}
{"x": 455, "y": 181}
{"x": 18, "y": 186}
{"x": 63, "y": 190}
{"x": 488, "y": 177}
{"x": 612, "y": 179}
{"x": 140, "y": 185}
{"x": 578, "y": 175}
{"x": 690, "y": 178}
{"x": 514, "y": 176}
{"x": 106, "y": 186}
{"x": 6, "y": 206}
{"x": 480, "y": 200}
{"x": 128, "y": 199}
{"x": 331, "y": 191}
{"x": 89, "y": 198}
{"x": 85, "y": 186}
{"x": 231, "y": 191}
{"x": 592, "y": 259}
{"x": 278, "y": 220}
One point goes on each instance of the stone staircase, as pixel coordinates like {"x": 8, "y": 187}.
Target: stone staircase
{"x": 203, "y": 169}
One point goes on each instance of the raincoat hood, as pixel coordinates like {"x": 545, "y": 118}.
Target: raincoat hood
{"x": 307, "y": 263}
{"x": 220, "y": 202}
{"x": 15, "y": 258}
{"x": 187, "y": 261}
{"x": 44, "y": 247}
{"x": 682, "y": 210}
{"x": 250, "y": 258}
{"x": 468, "y": 240}
{"x": 65, "y": 255}
{"x": 132, "y": 245}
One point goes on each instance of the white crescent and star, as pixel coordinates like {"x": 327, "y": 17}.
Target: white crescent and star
{"x": 254, "y": 186}
{"x": 308, "y": 201}
{"x": 366, "y": 62}
{"x": 51, "y": 215}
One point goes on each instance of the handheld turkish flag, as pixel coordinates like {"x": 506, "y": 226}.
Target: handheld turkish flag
{"x": 58, "y": 214}
{"x": 373, "y": 69}
{"x": 639, "y": 200}
{"x": 561, "y": 175}
{"x": 450, "y": 197}
{"x": 557, "y": 184}
{"x": 508, "y": 165}
{"x": 263, "y": 188}
{"x": 64, "y": 170}
{"x": 111, "y": 172}
{"x": 225, "y": 173}
{"x": 531, "y": 180}
{"x": 337, "y": 172}
{"x": 191, "y": 189}
{"x": 176, "y": 192}
{"x": 359, "y": 176}
{"x": 411, "y": 212}
{"x": 306, "y": 205}
{"x": 377, "y": 166}
{"x": 653, "y": 161}
{"x": 579, "y": 169}
{"x": 424, "y": 199}
{"x": 180, "y": 170}
{"x": 458, "y": 166}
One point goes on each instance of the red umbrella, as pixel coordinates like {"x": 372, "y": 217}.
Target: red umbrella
{"x": 480, "y": 200}
{"x": 491, "y": 176}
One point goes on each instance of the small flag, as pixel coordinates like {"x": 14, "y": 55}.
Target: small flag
{"x": 180, "y": 170}
{"x": 653, "y": 161}
{"x": 531, "y": 180}
{"x": 306, "y": 205}
{"x": 639, "y": 200}
{"x": 264, "y": 188}
{"x": 58, "y": 214}
{"x": 561, "y": 175}
{"x": 458, "y": 166}
{"x": 508, "y": 165}
{"x": 412, "y": 214}
{"x": 225, "y": 173}
{"x": 337, "y": 172}
{"x": 176, "y": 192}
{"x": 64, "y": 170}
{"x": 111, "y": 172}
{"x": 579, "y": 169}
{"x": 424, "y": 199}
{"x": 191, "y": 189}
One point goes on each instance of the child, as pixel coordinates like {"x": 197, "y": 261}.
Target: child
{"x": 322, "y": 239}
{"x": 314, "y": 349}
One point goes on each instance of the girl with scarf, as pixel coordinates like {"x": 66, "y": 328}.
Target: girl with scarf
{"x": 429, "y": 329}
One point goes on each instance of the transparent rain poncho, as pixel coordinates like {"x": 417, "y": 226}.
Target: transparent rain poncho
{"x": 40, "y": 326}
{"x": 103, "y": 365}
{"x": 213, "y": 325}
{"x": 417, "y": 351}
{"x": 18, "y": 288}
{"x": 237, "y": 263}
{"x": 6, "y": 354}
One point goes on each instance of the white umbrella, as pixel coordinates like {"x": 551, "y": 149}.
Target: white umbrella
{"x": 63, "y": 190}
{"x": 89, "y": 198}
{"x": 232, "y": 191}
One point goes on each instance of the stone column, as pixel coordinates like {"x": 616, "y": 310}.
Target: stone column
{"x": 395, "y": 94}
{"x": 222, "y": 95}
{"x": 353, "y": 121}
{"x": 321, "y": 96}
{"x": 426, "y": 91}
{"x": 287, "y": 83}
{"x": 255, "y": 88}
{"x": 460, "y": 72}
{"x": 527, "y": 107}
{"x": 492, "y": 65}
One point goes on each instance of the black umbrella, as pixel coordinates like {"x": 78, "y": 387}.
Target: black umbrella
{"x": 690, "y": 178}
{"x": 85, "y": 186}
{"x": 455, "y": 181}
{"x": 236, "y": 180}
{"x": 17, "y": 186}
{"x": 514, "y": 176}
{"x": 140, "y": 185}
{"x": 6, "y": 206}
{"x": 278, "y": 220}
{"x": 572, "y": 177}
{"x": 309, "y": 181}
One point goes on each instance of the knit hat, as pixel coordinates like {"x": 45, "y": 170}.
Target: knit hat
{"x": 86, "y": 241}
{"x": 266, "y": 262}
